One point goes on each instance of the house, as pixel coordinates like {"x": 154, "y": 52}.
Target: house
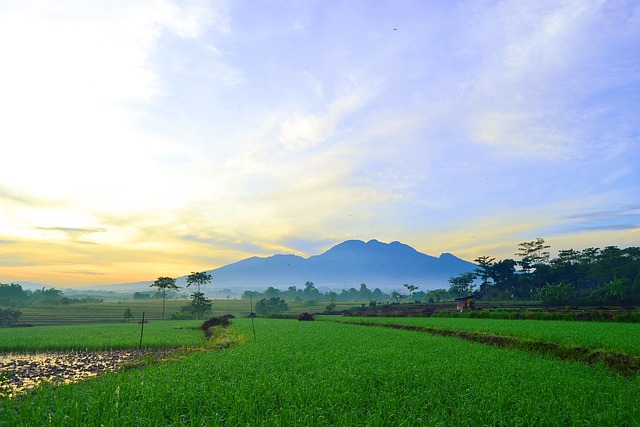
{"x": 465, "y": 303}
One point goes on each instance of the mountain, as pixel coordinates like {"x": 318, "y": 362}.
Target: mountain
{"x": 348, "y": 264}
{"x": 380, "y": 265}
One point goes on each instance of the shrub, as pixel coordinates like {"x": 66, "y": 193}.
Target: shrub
{"x": 9, "y": 317}
{"x": 306, "y": 316}
{"x": 208, "y": 325}
{"x": 272, "y": 305}
{"x": 182, "y": 315}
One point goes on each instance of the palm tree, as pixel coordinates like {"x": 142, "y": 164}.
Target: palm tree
{"x": 164, "y": 283}
{"x": 411, "y": 289}
{"x": 198, "y": 279}
{"x": 615, "y": 290}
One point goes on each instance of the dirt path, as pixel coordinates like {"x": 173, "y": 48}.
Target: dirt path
{"x": 21, "y": 372}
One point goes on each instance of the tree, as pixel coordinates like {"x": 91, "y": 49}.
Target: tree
{"x": 411, "y": 289}
{"x": 12, "y": 292}
{"x": 397, "y": 296}
{"x": 462, "y": 284}
{"x": 272, "y": 305}
{"x": 162, "y": 284}
{"x": 532, "y": 253}
{"x": 9, "y": 317}
{"x": 127, "y": 314}
{"x": 310, "y": 292}
{"x": 198, "y": 279}
{"x": 141, "y": 295}
{"x": 557, "y": 294}
{"x": 200, "y": 304}
{"x": 615, "y": 290}
{"x": 272, "y": 292}
{"x": 503, "y": 274}
{"x": 436, "y": 295}
{"x": 365, "y": 293}
{"x": 51, "y": 295}
{"x": 484, "y": 270}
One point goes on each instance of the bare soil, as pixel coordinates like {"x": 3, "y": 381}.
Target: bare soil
{"x": 22, "y": 372}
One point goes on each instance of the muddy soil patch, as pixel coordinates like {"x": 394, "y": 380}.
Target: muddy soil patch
{"x": 21, "y": 372}
{"x": 625, "y": 364}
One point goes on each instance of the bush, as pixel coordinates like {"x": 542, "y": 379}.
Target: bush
{"x": 272, "y": 305}
{"x": 182, "y": 315}
{"x": 306, "y": 316}
{"x": 208, "y": 325}
{"x": 9, "y": 317}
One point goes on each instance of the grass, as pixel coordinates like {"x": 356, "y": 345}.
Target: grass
{"x": 613, "y": 337}
{"x": 113, "y": 312}
{"x": 333, "y": 374}
{"x": 157, "y": 334}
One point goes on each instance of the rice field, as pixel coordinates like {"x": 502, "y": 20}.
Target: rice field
{"x": 156, "y": 334}
{"x": 113, "y": 312}
{"x": 614, "y": 337}
{"x": 325, "y": 373}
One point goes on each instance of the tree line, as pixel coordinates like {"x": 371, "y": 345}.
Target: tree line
{"x": 310, "y": 294}
{"x": 591, "y": 276}
{"x": 13, "y": 295}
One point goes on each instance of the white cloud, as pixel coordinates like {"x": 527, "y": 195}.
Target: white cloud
{"x": 76, "y": 80}
{"x": 300, "y": 130}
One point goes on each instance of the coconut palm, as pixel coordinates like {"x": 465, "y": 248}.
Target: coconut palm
{"x": 164, "y": 283}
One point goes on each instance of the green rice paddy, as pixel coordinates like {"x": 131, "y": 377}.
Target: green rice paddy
{"x": 326, "y": 373}
{"x": 156, "y": 334}
{"x": 614, "y": 337}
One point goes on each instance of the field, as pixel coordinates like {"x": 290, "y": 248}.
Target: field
{"x": 613, "y": 337}
{"x": 332, "y": 373}
{"x": 157, "y": 334}
{"x": 113, "y": 312}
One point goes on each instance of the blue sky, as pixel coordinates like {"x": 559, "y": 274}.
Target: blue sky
{"x": 155, "y": 138}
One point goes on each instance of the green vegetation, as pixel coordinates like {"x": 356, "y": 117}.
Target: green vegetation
{"x": 167, "y": 334}
{"x": 613, "y": 337}
{"x": 328, "y": 373}
{"x": 271, "y": 305}
{"x": 112, "y": 312}
{"x": 311, "y": 295}
{"x": 9, "y": 317}
{"x": 592, "y": 276}
{"x": 163, "y": 284}
{"x": 200, "y": 305}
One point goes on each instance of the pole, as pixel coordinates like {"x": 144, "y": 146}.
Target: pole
{"x": 253, "y": 326}
{"x": 141, "y": 331}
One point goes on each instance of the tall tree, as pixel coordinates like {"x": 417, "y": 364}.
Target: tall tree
{"x": 310, "y": 292}
{"x": 532, "y": 253}
{"x": 162, "y": 284}
{"x": 365, "y": 293}
{"x": 411, "y": 289}
{"x": 483, "y": 271}
{"x": 198, "y": 279}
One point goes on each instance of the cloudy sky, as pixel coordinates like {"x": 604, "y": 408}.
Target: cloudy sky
{"x": 155, "y": 137}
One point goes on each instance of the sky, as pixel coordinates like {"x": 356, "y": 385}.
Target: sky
{"x": 141, "y": 139}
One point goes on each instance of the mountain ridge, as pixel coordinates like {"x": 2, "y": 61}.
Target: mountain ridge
{"x": 347, "y": 264}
